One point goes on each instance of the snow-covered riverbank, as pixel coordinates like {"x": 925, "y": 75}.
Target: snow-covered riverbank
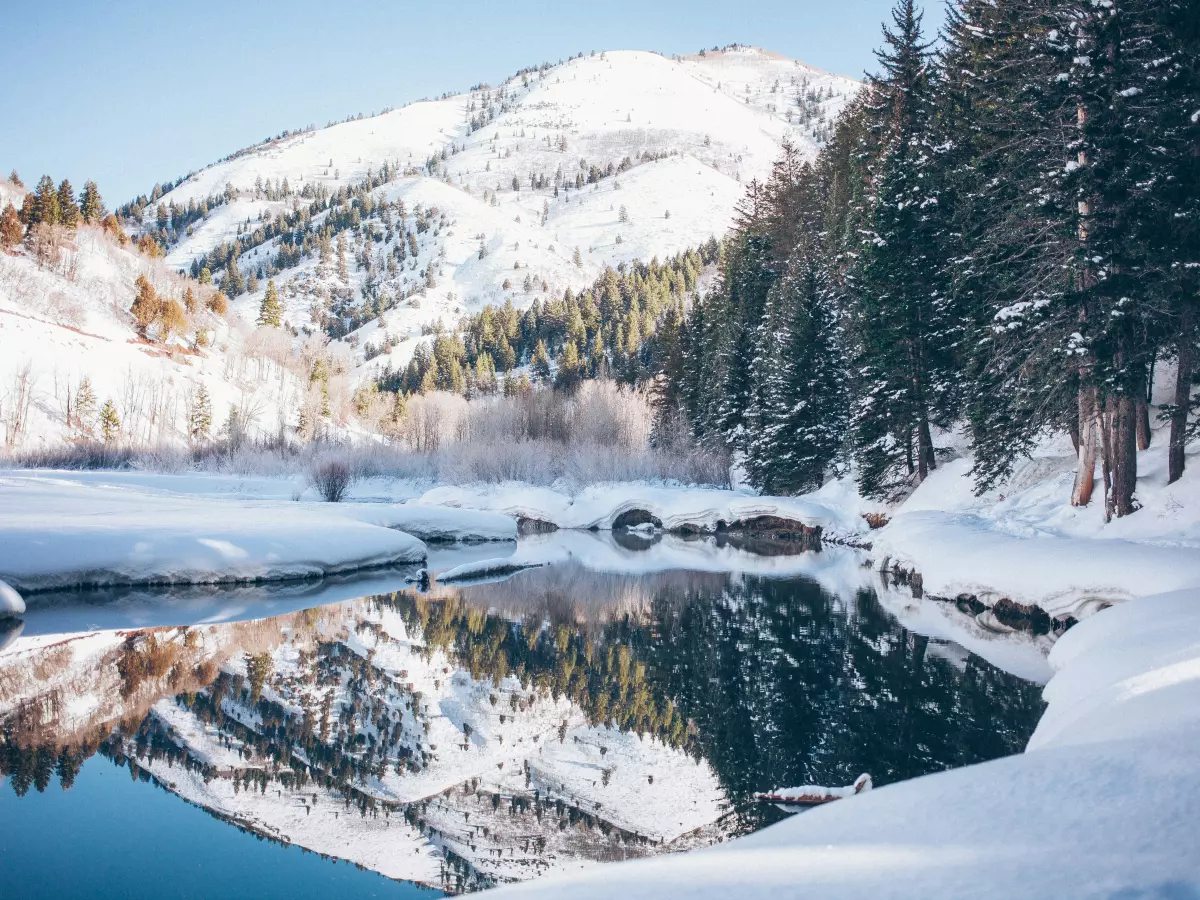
{"x": 57, "y": 533}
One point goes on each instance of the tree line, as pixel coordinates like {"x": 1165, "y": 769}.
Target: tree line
{"x": 605, "y": 330}
{"x": 1001, "y": 232}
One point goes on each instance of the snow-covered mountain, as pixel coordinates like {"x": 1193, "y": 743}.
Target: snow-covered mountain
{"x": 507, "y": 193}
{"x": 511, "y": 192}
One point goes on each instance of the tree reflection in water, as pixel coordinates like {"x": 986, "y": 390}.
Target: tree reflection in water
{"x": 396, "y": 708}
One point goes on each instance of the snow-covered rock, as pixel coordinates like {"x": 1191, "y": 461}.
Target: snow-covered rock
{"x": 674, "y": 508}
{"x": 10, "y": 601}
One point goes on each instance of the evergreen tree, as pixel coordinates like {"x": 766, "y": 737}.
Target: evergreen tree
{"x": 91, "y": 206}
{"x": 68, "y": 211}
{"x": 110, "y": 422}
{"x": 569, "y": 371}
{"x": 201, "y": 416}
{"x": 1173, "y": 223}
{"x": 906, "y": 325}
{"x": 41, "y": 207}
{"x": 801, "y": 407}
{"x": 541, "y": 363}
{"x": 233, "y": 284}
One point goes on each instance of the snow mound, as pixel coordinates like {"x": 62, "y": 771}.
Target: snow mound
{"x": 59, "y": 534}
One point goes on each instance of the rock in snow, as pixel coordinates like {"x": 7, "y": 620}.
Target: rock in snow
{"x": 673, "y": 508}
{"x": 10, "y": 601}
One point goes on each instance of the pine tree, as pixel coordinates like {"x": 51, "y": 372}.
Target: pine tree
{"x": 569, "y": 369}
{"x": 751, "y": 270}
{"x": 68, "y": 211}
{"x": 233, "y": 284}
{"x": 110, "y": 422}
{"x": 41, "y": 207}
{"x": 16, "y": 179}
{"x": 201, "y": 416}
{"x": 91, "y": 206}
{"x": 541, "y": 363}
{"x": 85, "y": 405}
{"x": 906, "y": 325}
{"x": 804, "y": 424}
{"x": 1173, "y": 223}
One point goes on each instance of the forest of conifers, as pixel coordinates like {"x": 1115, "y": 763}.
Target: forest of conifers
{"x": 1002, "y": 233}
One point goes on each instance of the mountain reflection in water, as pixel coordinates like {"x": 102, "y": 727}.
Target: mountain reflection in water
{"x": 469, "y": 736}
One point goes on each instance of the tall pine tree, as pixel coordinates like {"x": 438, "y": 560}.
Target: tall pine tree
{"x": 907, "y": 327}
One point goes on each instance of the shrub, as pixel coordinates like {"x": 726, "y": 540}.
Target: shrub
{"x": 331, "y": 478}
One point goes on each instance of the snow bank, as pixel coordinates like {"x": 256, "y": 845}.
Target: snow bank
{"x": 1131, "y": 672}
{"x": 1023, "y": 540}
{"x": 675, "y": 508}
{"x": 59, "y": 534}
{"x": 966, "y": 554}
{"x": 1102, "y": 804}
{"x": 10, "y": 601}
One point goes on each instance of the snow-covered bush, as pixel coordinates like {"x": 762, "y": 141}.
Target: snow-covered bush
{"x": 331, "y": 479}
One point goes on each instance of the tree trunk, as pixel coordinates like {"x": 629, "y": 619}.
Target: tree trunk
{"x": 1183, "y": 394}
{"x": 1089, "y": 441}
{"x": 926, "y": 462}
{"x": 1145, "y": 398}
{"x": 1124, "y": 447}
{"x": 1143, "y": 423}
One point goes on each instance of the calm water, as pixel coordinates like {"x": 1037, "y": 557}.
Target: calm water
{"x": 448, "y": 740}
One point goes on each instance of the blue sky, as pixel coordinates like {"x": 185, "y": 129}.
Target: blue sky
{"x": 129, "y": 93}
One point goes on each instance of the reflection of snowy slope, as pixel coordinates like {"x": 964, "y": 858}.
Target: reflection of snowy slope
{"x": 507, "y": 778}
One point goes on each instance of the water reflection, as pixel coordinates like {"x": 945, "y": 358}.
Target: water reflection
{"x": 463, "y": 737}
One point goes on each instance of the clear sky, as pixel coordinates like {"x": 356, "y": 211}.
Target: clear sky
{"x": 128, "y": 92}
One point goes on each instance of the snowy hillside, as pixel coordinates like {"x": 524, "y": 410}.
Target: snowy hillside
{"x": 66, "y": 323}
{"x": 512, "y": 192}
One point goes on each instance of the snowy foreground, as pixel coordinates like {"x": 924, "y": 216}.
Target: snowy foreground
{"x": 1101, "y": 805}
